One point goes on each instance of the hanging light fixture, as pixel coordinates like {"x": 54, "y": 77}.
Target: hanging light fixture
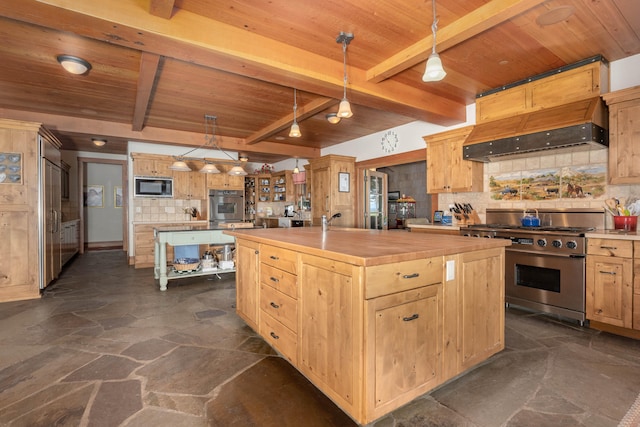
{"x": 344, "y": 110}
{"x": 434, "y": 72}
{"x": 295, "y": 129}
{"x": 209, "y": 142}
{"x": 296, "y": 169}
{"x": 73, "y": 64}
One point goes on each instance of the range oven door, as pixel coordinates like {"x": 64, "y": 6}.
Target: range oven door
{"x": 226, "y": 206}
{"x": 548, "y": 283}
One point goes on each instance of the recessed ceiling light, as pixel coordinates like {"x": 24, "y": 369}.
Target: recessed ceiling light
{"x": 279, "y": 138}
{"x": 555, "y": 15}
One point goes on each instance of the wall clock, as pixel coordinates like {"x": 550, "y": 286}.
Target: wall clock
{"x": 389, "y": 141}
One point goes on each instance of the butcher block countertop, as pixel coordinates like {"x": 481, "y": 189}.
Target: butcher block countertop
{"x": 366, "y": 247}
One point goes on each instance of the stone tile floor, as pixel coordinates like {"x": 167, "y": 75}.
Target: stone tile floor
{"x": 104, "y": 347}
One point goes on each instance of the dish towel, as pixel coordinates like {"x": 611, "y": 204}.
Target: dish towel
{"x": 186, "y": 251}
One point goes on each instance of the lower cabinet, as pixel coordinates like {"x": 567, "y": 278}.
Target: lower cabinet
{"x": 247, "y": 275}
{"x": 69, "y": 240}
{"x": 609, "y": 282}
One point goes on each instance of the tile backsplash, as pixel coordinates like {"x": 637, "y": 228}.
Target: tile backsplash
{"x": 163, "y": 210}
{"x": 566, "y": 180}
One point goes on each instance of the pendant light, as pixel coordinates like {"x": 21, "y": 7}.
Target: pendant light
{"x": 295, "y": 129}
{"x": 344, "y": 110}
{"x": 296, "y": 169}
{"x": 434, "y": 72}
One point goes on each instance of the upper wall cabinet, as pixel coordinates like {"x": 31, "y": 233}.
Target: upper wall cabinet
{"x": 447, "y": 172}
{"x": 224, "y": 181}
{"x": 562, "y": 87}
{"x": 624, "y": 135}
{"x": 151, "y": 165}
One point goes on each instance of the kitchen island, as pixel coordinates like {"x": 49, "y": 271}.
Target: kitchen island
{"x": 372, "y": 318}
{"x": 184, "y": 235}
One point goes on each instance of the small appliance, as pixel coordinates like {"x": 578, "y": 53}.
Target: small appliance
{"x": 151, "y": 186}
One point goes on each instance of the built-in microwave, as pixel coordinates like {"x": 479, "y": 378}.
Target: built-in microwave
{"x": 153, "y": 186}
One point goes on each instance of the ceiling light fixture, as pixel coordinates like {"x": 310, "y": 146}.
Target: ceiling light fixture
{"x": 434, "y": 72}
{"x": 209, "y": 142}
{"x": 333, "y": 118}
{"x": 344, "y": 110}
{"x": 243, "y": 158}
{"x": 73, "y": 64}
{"x": 98, "y": 142}
{"x": 296, "y": 169}
{"x": 295, "y": 129}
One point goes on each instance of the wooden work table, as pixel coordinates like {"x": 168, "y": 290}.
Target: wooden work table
{"x": 373, "y": 318}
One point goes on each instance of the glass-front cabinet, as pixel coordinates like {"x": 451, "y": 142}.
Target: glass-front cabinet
{"x": 375, "y": 203}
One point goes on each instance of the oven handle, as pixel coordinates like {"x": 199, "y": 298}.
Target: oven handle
{"x": 578, "y": 256}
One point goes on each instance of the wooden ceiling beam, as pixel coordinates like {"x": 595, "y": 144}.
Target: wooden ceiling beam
{"x": 155, "y": 135}
{"x": 161, "y": 8}
{"x": 483, "y": 18}
{"x": 234, "y": 50}
{"x": 149, "y": 63}
{"x": 303, "y": 112}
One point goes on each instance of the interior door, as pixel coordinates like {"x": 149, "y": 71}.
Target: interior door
{"x": 375, "y": 203}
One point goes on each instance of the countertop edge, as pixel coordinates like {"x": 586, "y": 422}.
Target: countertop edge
{"x": 613, "y": 234}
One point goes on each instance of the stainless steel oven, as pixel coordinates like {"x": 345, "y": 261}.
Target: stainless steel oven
{"x": 545, "y": 265}
{"x": 226, "y": 206}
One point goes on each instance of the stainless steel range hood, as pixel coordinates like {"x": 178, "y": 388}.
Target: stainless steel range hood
{"x": 580, "y": 125}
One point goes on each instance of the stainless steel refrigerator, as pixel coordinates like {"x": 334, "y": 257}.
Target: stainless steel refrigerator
{"x": 375, "y": 203}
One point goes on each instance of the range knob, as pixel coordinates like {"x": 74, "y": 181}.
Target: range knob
{"x": 542, "y": 242}
{"x": 572, "y": 244}
{"x": 557, "y": 243}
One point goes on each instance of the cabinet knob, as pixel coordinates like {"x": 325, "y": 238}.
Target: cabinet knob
{"x": 274, "y": 305}
{"x": 274, "y": 336}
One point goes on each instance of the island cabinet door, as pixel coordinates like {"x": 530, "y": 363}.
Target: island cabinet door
{"x": 609, "y": 290}
{"x": 247, "y": 281}
{"x": 480, "y": 276}
{"x": 404, "y": 350}
{"x": 330, "y": 329}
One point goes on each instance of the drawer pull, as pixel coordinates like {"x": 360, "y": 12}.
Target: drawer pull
{"x": 409, "y": 319}
{"x": 274, "y": 279}
{"x": 274, "y": 257}
{"x": 274, "y": 305}
{"x": 612, "y": 248}
{"x": 411, "y": 276}
{"x": 274, "y": 336}
{"x": 613, "y": 273}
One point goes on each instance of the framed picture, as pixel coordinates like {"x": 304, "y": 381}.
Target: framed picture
{"x": 117, "y": 196}
{"x": 343, "y": 182}
{"x": 94, "y": 196}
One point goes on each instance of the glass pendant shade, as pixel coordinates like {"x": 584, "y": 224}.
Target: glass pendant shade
{"x": 237, "y": 170}
{"x": 180, "y": 165}
{"x": 295, "y": 130}
{"x": 434, "y": 72}
{"x": 333, "y": 118}
{"x": 344, "y": 110}
{"x": 209, "y": 168}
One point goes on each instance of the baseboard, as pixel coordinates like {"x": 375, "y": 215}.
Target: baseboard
{"x": 96, "y": 246}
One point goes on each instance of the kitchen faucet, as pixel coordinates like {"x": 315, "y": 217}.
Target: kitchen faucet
{"x": 326, "y": 222}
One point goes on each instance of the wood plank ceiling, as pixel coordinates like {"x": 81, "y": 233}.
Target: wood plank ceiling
{"x": 158, "y": 66}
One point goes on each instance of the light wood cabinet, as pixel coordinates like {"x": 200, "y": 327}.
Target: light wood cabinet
{"x": 609, "y": 281}
{"x": 447, "y": 171}
{"x": 636, "y": 286}
{"x": 151, "y": 165}
{"x": 27, "y": 226}
{"x": 144, "y": 241}
{"x": 326, "y": 195}
{"x": 624, "y": 142}
{"x": 247, "y": 275}
{"x": 282, "y": 188}
{"x": 190, "y": 185}
{"x": 584, "y": 82}
{"x": 224, "y": 181}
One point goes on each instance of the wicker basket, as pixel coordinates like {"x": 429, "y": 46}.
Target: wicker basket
{"x": 186, "y": 264}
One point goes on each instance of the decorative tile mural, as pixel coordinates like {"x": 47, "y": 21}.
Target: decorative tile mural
{"x": 570, "y": 182}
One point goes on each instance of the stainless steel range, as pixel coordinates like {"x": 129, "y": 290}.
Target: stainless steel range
{"x": 545, "y": 265}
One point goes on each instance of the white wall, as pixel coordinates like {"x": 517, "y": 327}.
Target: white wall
{"x": 103, "y": 223}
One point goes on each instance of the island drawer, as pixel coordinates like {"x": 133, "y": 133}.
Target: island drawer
{"x": 279, "y": 306}
{"x": 401, "y": 276}
{"x": 279, "y": 279}
{"x": 610, "y": 247}
{"x": 283, "y": 259}
{"x": 279, "y": 337}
